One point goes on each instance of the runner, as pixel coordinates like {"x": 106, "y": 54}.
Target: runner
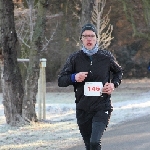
{"x": 88, "y": 70}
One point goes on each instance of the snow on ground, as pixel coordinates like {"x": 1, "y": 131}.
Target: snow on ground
{"x": 59, "y": 130}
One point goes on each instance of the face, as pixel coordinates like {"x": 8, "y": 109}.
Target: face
{"x": 89, "y": 39}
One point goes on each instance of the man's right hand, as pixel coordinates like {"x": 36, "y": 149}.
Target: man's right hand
{"x": 79, "y": 77}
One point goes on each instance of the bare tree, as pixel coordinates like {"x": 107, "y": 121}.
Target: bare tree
{"x": 31, "y": 85}
{"x": 12, "y": 87}
{"x": 31, "y": 26}
{"x": 104, "y": 36}
{"x": 92, "y": 12}
{"x": 26, "y": 20}
{"x": 87, "y": 8}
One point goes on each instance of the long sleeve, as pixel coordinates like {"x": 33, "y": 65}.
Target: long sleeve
{"x": 64, "y": 78}
{"x": 117, "y": 72}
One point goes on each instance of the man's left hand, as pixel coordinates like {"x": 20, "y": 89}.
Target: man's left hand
{"x": 108, "y": 88}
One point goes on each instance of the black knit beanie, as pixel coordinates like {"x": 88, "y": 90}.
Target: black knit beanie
{"x": 89, "y": 26}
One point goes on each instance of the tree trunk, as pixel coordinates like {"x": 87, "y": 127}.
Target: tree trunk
{"x": 87, "y": 8}
{"x": 13, "y": 88}
{"x": 31, "y": 85}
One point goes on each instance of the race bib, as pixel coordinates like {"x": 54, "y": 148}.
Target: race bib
{"x": 93, "y": 88}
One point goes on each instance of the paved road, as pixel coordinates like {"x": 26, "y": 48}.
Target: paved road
{"x": 131, "y": 135}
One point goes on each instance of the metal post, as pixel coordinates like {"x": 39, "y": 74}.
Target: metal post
{"x": 39, "y": 96}
{"x": 43, "y": 78}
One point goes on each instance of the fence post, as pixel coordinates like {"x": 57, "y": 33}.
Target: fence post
{"x": 42, "y": 90}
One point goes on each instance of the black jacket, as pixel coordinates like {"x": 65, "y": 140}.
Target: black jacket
{"x": 99, "y": 66}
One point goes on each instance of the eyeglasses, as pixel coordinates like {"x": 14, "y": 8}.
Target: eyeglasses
{"x": 86, "y": 36}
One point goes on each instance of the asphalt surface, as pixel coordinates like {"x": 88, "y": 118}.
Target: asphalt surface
{"x": 130, "y": 135}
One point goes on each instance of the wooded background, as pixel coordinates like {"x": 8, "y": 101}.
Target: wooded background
{"x": 131, "y": 32}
